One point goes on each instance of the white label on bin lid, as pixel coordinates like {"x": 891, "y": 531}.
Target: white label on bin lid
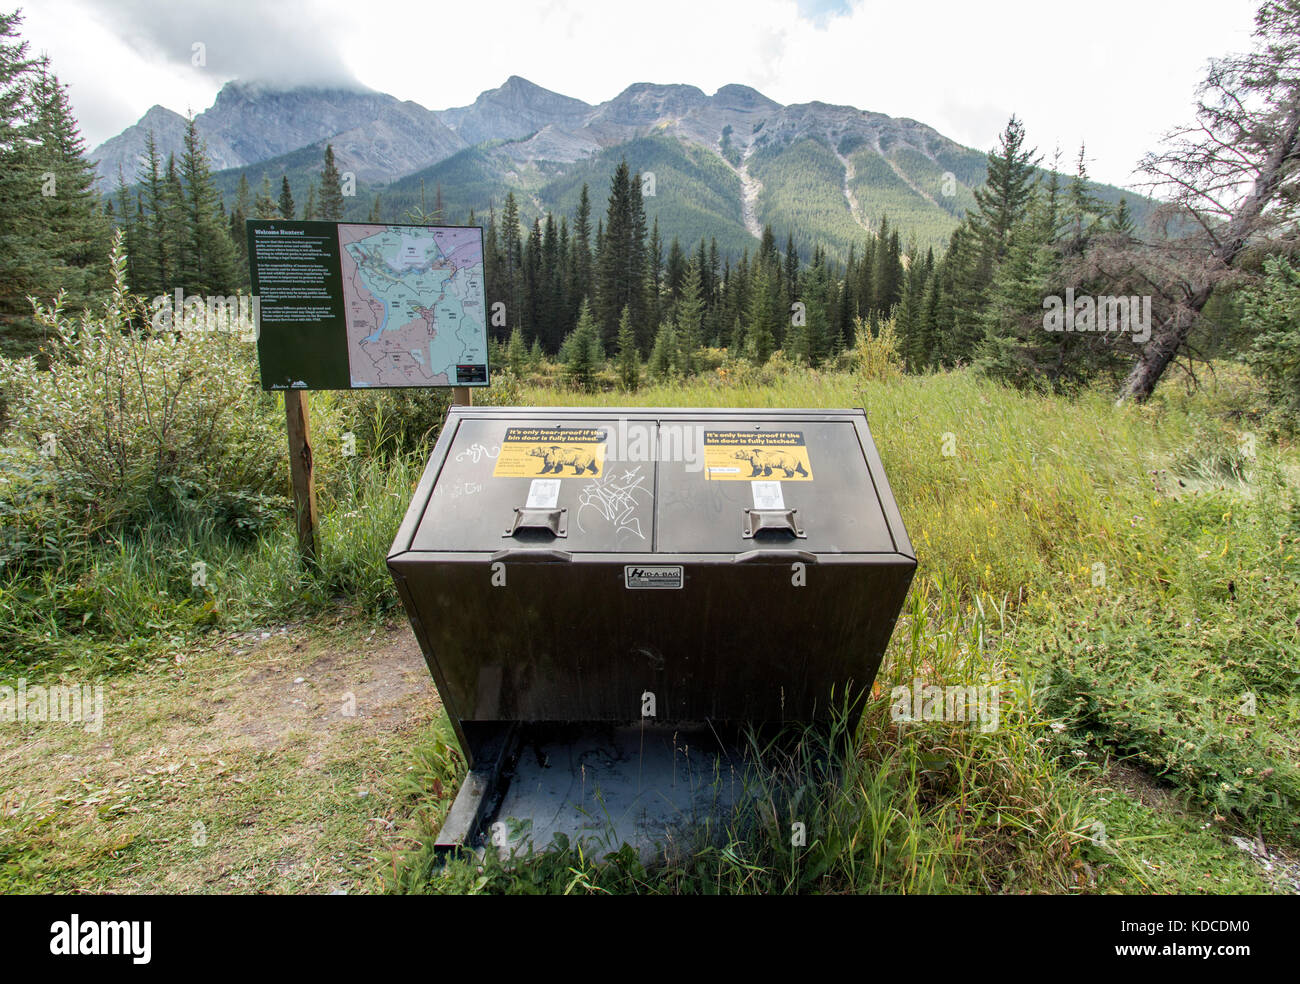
{"x": 767, "y": 495}
{"x": 544, "y": 493}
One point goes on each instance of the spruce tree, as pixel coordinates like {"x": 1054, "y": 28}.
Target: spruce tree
{"x": 517, "y": 352}
{"x": 582, "y": 351}
{"x": 629, "y": 371}
{"x": 621, "y": 258}
{"x": 207, "y": 260}
{"x": 264, "y": 205}
{"x": 690, "y": 321}
{"x": 1003, "y": 200}
{"x": 239, "y": 214}
{"x": 663, "y": 353}
{"x": 286, "y": 198}
{"x": 72, "y": 234}
{"x": 330, "y": 204}
{"x": 761, "y": 341}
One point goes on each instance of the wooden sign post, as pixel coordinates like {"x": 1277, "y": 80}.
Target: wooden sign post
{"x": 300, "y": 470}
{"x": 462, "y": 396}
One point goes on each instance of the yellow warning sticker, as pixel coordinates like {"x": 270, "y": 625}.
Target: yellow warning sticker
{"x": 746, "y": 455}
{"x": 527, "y": 452}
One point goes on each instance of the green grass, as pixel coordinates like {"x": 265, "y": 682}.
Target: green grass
{"x": 1125, "y": 613}
{"x": 1126, "y": 575}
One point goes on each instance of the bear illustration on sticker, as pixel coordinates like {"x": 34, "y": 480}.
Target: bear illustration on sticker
{"x": 764, "y": 462}
{"x": 556, "y": 458}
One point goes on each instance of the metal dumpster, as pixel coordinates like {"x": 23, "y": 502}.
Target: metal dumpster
{"x": 649, "y": 566}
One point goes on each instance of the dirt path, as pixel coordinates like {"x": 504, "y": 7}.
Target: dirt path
{"x": 266, "y": 762}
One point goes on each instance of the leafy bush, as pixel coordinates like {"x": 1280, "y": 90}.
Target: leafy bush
{"x": 130, "y": 422}
{"x": 876, "y": 356}
{"x": 394, "y": 422}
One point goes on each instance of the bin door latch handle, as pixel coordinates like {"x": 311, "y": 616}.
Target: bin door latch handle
{"x": 539, "y": 524}
{"x": 774, "y": 523}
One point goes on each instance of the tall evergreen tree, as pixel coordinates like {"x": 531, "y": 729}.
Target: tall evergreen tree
{"x": 690, "y": 321}
{"x": 629, "y": 373}
{"x": 264, "y": 205}
{"x": 331, "y": 202}
{"x": 621, "y": 282}
{"x": 286, "y": 198}
{"x": 207, "y": 257}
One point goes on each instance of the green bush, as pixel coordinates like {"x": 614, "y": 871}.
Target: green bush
{"x": 129, "y": 422}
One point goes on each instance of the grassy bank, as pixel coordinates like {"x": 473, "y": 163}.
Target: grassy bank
{"x": 1129, "y": 577}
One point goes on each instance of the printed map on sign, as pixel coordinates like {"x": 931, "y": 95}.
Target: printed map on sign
{"x": 530, "y": 452}
{"x": 413, "y": 300}
{"x": 747, "y": 455}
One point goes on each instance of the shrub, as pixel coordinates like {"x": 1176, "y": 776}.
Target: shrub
{"x": 128, "y": 421}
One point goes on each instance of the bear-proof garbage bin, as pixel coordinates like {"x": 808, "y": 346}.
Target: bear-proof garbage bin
{"x": 610, "y": 567}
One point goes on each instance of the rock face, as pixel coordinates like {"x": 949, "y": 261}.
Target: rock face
{"x": 374, "y": 134}
{"x": 517, "y": 109}
{"x": 382, "y": 139}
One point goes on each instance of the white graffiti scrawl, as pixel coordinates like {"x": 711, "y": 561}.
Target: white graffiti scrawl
{"x": 615, "y": 497}
{"x": 476, "y": 452}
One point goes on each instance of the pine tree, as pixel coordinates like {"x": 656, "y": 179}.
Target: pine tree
{"x": 629, "y": 371}
{"x": 762, "y": 313}
{"x": 53, "y": 230}
{"x": 690, "y": 319}
{"x": 621, "y": 258}
{"x": 331, "y": 203}
{"x": 1122, "y": 221}
{"x": 654, "y": 275}
{"x": 582, "y": 285}
{"x": 663, "y": 354}
{"x": 309, "y": 206}
{"x": 264, "y": 205}
{"x": 1003, "y": 200}
{"x": 72, "y": 234}
{"x": 238, "y": 216}
{"x": 581, "y": 352}
{"x": 517, "y": 352}
{"x": 1082, "y": 208}
{"x": 207, "y": 257}
{"x": 675, "y": 270}
{"x": 511, "y": 251}
{"x": 19, "y": 182}
{"x": 286, "y": 198}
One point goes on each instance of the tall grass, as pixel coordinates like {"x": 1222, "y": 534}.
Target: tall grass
{"x": 1129, "y": 576}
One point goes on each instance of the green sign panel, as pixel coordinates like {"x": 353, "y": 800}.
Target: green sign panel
{"x": 348, "y": 305}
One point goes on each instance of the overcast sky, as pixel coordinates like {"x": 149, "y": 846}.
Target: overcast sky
{"x": 960, "y": 66}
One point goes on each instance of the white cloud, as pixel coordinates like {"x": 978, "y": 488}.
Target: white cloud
{"x": 959, "y": 67}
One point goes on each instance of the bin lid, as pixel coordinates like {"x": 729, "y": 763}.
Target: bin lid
{"x": 527, "y": 481}
{"x": 789, "y": 482}
{"x": 643, "y": 480}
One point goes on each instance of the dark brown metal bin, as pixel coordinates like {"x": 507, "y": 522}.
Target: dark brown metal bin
{"x": 542, "y": 625}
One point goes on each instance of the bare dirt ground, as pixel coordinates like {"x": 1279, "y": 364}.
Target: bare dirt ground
{"x": 268, "y": 761}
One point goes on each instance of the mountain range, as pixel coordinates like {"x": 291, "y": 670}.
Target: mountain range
{"x": 723, "y": 165}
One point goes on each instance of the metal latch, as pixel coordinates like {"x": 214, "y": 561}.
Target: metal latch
{"x": 771, "y": 522}
{"x": 539, "y": 523}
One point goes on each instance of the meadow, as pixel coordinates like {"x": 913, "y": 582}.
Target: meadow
{"x": 1127, "y": 576}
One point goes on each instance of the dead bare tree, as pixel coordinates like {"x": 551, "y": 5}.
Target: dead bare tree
{"x": 1230, "y": 181}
